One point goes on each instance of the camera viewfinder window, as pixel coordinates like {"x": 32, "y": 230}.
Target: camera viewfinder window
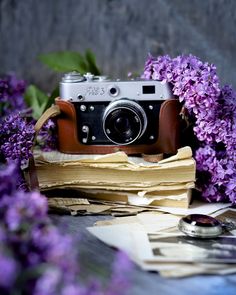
{"x": 150, "y": 89}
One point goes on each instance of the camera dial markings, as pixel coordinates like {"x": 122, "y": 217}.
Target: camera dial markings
{"x": 137, "y": 119}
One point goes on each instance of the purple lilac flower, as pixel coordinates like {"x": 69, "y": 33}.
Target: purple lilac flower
{"x": 33, "y": 240}
{"x": 3, "y": 235}
{"x": 8, "y": 176}
{"x": 47, "y": 138}
{"x": 16, "y": 138}
{"x": 9, "y": 270}
{"x": 120, "y": 279}
{"x": 75, "y": 289}
{"x": 12, "y": 102}
{"x": 48, "y": 240}
{"x": 49, "y": 282}
{"x": 11, "y": 95}
{"x": 219, "y": 174}
{"x": 32, "y": 247}
{"x": 27, "y": 207}
{"x": 213, "y": 111}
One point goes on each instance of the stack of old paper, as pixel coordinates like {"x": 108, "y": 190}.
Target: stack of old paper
{"x": 118, "y": 177}
{"x": 82, "y": 206}
{"x": 153, "y": 241}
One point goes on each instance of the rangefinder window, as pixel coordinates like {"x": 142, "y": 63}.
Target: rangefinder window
{"x": 149, "y": 89}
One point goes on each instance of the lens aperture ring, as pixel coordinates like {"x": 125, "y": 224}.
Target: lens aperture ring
{"x": 124, "y": 121}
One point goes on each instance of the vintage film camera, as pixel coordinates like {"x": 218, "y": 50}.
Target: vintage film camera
{"x": 101, "y": 116}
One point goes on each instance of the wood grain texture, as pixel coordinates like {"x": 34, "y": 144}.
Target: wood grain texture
{"x": 121, "y": 33}
{"x": 98, "y": 255}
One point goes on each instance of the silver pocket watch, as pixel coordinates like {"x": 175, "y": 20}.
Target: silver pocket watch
{"x": 204, "y": 226}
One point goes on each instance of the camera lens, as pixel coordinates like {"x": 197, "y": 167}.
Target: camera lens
{"x": 124, "y": 121}
{"x": 122, "y": 124}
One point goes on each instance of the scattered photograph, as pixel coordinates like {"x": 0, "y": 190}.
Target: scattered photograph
{"x": 184, "y": 248}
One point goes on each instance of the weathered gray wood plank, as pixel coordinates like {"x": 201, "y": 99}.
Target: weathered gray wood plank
{"x": 121, "y": 33}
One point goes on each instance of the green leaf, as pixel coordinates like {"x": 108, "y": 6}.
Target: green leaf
{"x": 68, "y": 61}
{"x": 91, "y": 60}
{"x": 64, "y": 61}
{"x": 37, "y": 100}
{"x": 55, "y": 93}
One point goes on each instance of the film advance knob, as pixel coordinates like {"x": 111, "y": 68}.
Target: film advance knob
{"x": 72, "y": 77}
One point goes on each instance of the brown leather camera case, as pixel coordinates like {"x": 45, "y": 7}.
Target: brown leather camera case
{"x": 168, "y": 139}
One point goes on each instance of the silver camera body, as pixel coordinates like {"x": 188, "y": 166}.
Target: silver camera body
{"x": 113, "y": 111}
{"x": 77, "y": 88}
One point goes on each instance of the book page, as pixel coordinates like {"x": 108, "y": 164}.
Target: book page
{"x": 151, "y": 200}
{"x": 177, "y": 198}
{"x": 197, "y": 207}
{"x": 113, "y": 187}
{"x": 182, "y": 154}
{"x": 57, "y": 157}
{"x": 110, "y": 159}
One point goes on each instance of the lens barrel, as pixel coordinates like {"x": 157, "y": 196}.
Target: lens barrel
{"x": 124, "y": 121}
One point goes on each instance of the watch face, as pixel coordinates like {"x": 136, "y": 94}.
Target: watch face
{"x": 200, "y": 226}
{"x": 201, "y": 220}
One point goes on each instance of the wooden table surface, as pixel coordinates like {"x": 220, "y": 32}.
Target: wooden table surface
{"x": 96, "y": 254}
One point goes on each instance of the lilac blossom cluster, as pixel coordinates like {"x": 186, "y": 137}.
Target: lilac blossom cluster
{"x": 212, "y": 110}
{"x": 16, "y": 131}
{"x": 47, "y": 138}
{"x": 16, "y": 138}
{"x": 16, "y": 127}
{"x": 13, "y": 108}
{"x": 35, "y": 256}
{"x": 11, "y": 95}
